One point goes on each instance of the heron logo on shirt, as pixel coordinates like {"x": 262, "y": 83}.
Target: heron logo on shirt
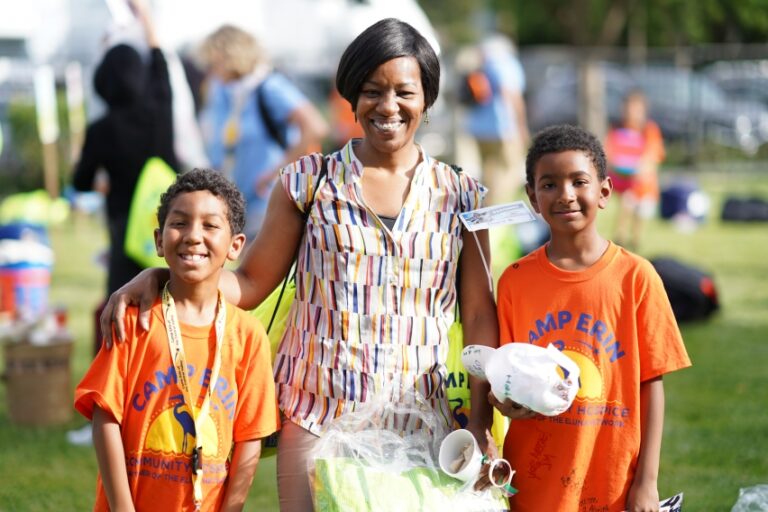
{"x": 172, "y": 429}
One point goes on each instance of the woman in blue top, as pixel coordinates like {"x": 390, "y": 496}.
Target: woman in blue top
{"x": 499, "y": 125}
{"x": 242, "y": 90}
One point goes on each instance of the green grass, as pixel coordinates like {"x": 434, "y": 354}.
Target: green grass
{"x": 715, "y": 432}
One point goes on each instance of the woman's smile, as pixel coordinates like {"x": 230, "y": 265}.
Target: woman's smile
{"x": 391, "y": 104}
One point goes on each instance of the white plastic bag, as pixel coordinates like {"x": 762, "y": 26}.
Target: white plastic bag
{"x": 361, "y": 463}
{"x": 752, "y": 499}
{"x": 543, "y": 379}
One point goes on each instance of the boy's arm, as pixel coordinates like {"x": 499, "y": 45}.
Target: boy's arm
{"x": 644, "y": 494}
{"x": 244, "y": 460}
{"x": 111, "y": 458}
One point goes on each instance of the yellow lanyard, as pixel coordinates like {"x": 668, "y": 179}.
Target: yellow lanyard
{"x": 180, "y": 364}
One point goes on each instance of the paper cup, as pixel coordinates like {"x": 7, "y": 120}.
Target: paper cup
{"x": 451, "y": 449}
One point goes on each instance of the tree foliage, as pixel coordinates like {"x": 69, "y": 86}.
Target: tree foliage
{"x": 603, "y": 22}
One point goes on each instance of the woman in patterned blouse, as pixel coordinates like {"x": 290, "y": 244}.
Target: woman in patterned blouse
{"x": 379, "y": 247}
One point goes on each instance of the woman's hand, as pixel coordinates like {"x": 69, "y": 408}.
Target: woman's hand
{"x": 510, "y": 409}
{"x": 142, "y": 290}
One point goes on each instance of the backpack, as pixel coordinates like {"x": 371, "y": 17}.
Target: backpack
{"x": 139, "y": 244}
{"x": 692, "y": 292}
{"x": 748, "y": 209}
{"x": 278, "y": 130}
{"x": 474, "y": 89}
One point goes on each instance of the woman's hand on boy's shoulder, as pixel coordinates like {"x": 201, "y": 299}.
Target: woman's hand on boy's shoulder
{"x": 510, "y": 409}
{"x": 141, "y": 291}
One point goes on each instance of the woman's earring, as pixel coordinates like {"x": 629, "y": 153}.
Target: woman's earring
{"x": 426, "y": 117}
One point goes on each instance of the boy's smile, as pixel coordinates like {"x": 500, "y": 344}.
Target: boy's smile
{"x": 567, "y": 191}
{"x": 196, "y": 239}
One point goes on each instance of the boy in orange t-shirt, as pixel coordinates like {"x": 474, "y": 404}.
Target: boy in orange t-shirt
{"x": 606, "y": 309}
{"x": 168, "y": 405}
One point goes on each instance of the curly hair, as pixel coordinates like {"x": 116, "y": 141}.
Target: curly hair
{"x": 383, "y": 41}
{"x": 214, "y": 182}
{"x": 564, "y": 137}
{"x": 234, "y": 49}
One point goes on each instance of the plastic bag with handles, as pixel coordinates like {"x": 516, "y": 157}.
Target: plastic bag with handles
{"x": 543, "y": 379}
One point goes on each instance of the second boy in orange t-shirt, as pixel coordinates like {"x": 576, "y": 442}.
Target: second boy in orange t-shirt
{"x": 606, "y": 309}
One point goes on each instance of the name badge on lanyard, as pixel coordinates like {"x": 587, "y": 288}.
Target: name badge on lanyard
{"x": 176, "y": 347}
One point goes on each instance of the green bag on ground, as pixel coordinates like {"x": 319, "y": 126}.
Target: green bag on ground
{"x": 155, "y": 178}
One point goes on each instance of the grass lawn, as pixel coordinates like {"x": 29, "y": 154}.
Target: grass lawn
{"x": 715, "y": 433}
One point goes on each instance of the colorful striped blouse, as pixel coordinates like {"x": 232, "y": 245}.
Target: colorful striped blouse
{"x": 373, "y": 305}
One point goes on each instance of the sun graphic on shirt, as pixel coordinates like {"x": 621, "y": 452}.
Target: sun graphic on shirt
{"x": 591, "y": 379}
{"x": 172, "y": 432}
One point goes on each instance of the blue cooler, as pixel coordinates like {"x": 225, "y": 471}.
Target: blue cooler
{"x": 26, "y": 260}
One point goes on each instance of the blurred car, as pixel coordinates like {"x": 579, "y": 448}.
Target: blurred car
{"x": 742, "y": 79}
{"x": 556, "y": 99}
{"x": 685, "y": 104}
{"x": 745, "y": 80}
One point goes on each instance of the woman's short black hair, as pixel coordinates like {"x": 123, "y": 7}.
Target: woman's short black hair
{"x": 564, "y": 137}
{"x": 383, "y": 41}
{"x": 214, "y": 182}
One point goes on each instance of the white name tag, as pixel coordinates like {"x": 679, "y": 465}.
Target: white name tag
{"x": 500, "y": 215}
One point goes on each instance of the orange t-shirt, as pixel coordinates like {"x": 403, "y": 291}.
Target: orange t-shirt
{"x": 614, "y": 320}
{"x": 135, "y": 381}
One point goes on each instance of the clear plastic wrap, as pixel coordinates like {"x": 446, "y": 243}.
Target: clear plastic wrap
{"x": 363, "y": 462}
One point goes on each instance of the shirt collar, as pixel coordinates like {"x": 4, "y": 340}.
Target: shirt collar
{"x": 350, "y": 160}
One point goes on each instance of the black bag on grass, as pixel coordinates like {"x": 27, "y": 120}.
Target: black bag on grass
{"x": 740, "y": 209}
{"x": 691, "y": 291}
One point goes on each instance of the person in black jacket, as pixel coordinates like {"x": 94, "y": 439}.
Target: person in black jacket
{"x": 138, "y": 125}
